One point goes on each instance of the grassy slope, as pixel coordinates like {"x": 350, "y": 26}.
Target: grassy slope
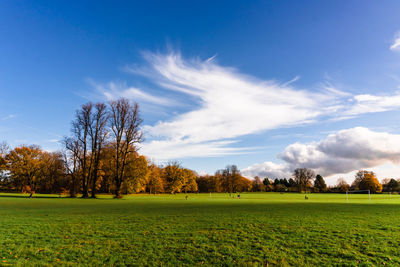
{"x": 281, "y": 229}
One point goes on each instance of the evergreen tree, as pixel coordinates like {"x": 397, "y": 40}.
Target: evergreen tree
{"x": 319, "y": 183}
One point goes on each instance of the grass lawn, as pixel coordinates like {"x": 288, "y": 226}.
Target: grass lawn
{"x": 259, "y": 228}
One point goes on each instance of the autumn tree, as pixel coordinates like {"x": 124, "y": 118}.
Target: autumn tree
{"x": 125, "y": 124}
{"x": 173, "y": 177}
{"x": 303, "y": 178}
{"x": 258, "y": 185}
{"x": 135, "y": 174}
{"x": 108, "y": 168}
{"x": 370, "y": 182}
{"x": 230, "y": 178}
{"x": 190, "y": 184}
{"x": 366, "y": 180}
{"x": 25, "y": 165}
{"x": 209, "y": 183}
{"x": 155, "y": 183}
{"x": 53, "y": 176}
{"x": 243, "y": 184}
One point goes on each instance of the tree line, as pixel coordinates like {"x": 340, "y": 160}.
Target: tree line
{"x": 101, "y": 155}
{"x": 305, "y": 180}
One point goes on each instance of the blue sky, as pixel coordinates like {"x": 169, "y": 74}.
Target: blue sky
{"x": 266, "y": 85}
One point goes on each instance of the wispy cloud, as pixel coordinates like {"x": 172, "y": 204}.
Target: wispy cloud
{"x": 341, "y": 152}
{"x": 164, "y": 150}
{"x": 226, "y": 104}
{"x": 115, "y": 90}
{"x": 8, "y": 117}
{"x": 231, "y": 104}
{"x": 396, "y": 43}
{"x": 367, "y": 103}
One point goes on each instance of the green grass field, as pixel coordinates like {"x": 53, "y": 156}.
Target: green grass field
{"x": 259, "y": 228}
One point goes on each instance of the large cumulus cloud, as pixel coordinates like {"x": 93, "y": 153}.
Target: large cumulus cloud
{"x": 341, "y": 152}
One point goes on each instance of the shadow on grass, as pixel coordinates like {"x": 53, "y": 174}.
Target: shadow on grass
{"x": 39, "y": 196}
{"x": 34, "y": 196}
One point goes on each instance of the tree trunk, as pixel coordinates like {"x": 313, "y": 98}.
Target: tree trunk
{"x": 94, "y": 180}
{"x": 118, "y": 189}
{"x": 85, "y": 193}
{"x": 72, "y": 192}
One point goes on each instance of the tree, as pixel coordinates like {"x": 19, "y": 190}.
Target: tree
{"x": 292, "y": 185}
{"x": 303, "y": 178}
{"x": 209, "y": 183}
{"x": 80, "y": 129}
{"x": 26, "y": 165}
{"x": 72, "y": 162}
{"x": 243, "y": 184}
{"x": 97, "y": 133}
{"x": 342, "y": 185}
{"x": 125, "y": 124}
{"x": 392, "y": 185}
{"x": 230, "y": 177}
{"x": 190, "y": 184}
{"x": 358, "y": 178}
{"x": 266, "y": 181}
{"x": 135, "y": 174}
{"x": 4, "y": 150}
{"x": 370, "y": 182}
{"x": 366, "y": 180}
{"x": 155, "y": 183}
{"x": 258, "y": 185}
{"x": 280, "y": 188}
{"x": 320, "y": 184}
{"x": 178, "y": 179}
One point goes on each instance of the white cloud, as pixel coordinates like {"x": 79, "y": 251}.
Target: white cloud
{"x": 229, "y": 104}
{"x": 396, "y": 43}
{"x": 372, "y": 103}
{"x": 340, "y": 153}
{"x": 164, "y": 150}
{"x": 268, "y": 169}
{"x": 115, "y": 90}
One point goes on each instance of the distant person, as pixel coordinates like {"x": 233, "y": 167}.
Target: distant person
{"x": 186, "y": 197}
{"x": 238, "y": 196}
{"x": 306, "y": 197}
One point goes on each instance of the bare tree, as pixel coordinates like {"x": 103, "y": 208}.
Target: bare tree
{"x": 4, "y": 150}
{"x": 98, "y": 134}
{"x": 125, "y": 124}
{"x": 303, "y": 178}
{"x": 80, "y": 130}
{"x": 71, "y": 157}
